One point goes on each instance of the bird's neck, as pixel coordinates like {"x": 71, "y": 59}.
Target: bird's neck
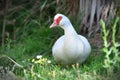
{"x": 69, "y": 30}
{"x": 70, "y": 37}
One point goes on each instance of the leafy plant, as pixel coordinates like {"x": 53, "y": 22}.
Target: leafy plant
{"x": 8, "y": 41}
{"x": 112, "y": 58}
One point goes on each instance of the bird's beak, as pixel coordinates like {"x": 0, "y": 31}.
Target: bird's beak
{"x": 53, "y": 25}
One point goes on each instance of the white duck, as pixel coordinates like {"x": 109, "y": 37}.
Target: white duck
{"x": 71, "y": 47}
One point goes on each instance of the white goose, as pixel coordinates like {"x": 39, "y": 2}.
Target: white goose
{"x": 71, "y": 47}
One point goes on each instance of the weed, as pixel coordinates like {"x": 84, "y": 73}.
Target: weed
{"x": 111, "y": 50}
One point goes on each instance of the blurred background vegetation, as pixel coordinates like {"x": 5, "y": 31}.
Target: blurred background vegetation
{"x": 25, "y": 25}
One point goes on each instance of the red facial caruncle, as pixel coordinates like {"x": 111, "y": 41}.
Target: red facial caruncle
{"x": 56, "y": 22}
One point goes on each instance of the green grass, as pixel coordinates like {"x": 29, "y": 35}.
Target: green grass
{"x": 24, "y": 54}
{"x": 41, "y": 69}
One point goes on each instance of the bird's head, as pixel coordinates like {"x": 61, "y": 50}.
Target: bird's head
{"x": 59, "y": 20}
